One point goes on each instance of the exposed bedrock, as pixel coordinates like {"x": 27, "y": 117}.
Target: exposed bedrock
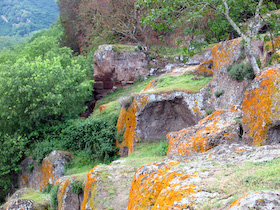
{"x": 261, "y": 109}
{"x": 38, "y": 176}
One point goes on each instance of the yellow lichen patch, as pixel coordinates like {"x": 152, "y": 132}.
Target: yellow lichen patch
{"x": 260, "y": 106}
{"x": 222, "y": 55}
{"x": 89, "y": 190}
{"x": 196, "y": 109}
{"x": 268, "y": 45}
{"x": 150, "y": 191}
{"x": 61, "y": 192}
{"x": 102, "y": 108}
{"x": 239, "y": 151}
{"x": 204, "y": 69}
{"x": 143, "y": 101}
{"x": 127, "y": 123}
{"x": 237, "y": 202}
{"x": 150, "y": 85}
{"x": 46, "y": 173}
{"x": 196, "y": 139}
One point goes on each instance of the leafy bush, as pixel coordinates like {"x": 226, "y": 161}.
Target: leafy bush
{"x": 219, "y": 93}
{"x": 209, "y": 111}
{"x": 241, "y": 71}
{"x": 162, "y": 148}
{"x": 76, "y": 187}
{"x": 11, "y": 153}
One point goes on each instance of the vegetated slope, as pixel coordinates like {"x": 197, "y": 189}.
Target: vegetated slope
{"x": 20, "y": 17}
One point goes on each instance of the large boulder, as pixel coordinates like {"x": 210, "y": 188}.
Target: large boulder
{"x": 261, "y": 200}
{"x": 24, "y": 204}
{"x": 261, "y": 109}
{"x": 154, "y": 183}
{"x": 116, "y": 66}
{"x": 220, "y": 127}
{"x": 38, "y": 176}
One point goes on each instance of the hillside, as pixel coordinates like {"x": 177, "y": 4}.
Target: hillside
{"x": 21, "y": 17}
{"x": 144, "y": 105}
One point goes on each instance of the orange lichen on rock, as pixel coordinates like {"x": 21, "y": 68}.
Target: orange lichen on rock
{"x": 46, "y": 173}
{"x": 208, "y": 133}
{"x": 204, "y": 69}
{"x": 223, "y": 53}
{"x": 62, "y": 191}
{"x": 268, "y": 45}
{"x": 150, "y": 85}
{"x": 89, "y": 191}
{"x": 127, "y": 123}
{"x": 261, "y": 107}
{"x": 153, "y": 184}
{"x": 237, "y": 202}
{"x": 239, "y": 151}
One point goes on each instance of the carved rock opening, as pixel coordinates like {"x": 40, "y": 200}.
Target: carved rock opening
{"x": 159, "y": 118}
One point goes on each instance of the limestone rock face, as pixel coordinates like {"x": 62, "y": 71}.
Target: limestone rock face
{"x": 261, "y": 200}
{"x": 116, "y": 67}
{"x": 220, "y": 127}
{"x": 261, "y": 109}
{"x": 51, "y": 168}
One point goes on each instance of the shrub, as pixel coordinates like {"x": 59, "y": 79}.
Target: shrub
{"x": 162, "y": 149}
{"x": 76, "y": 187}
{"x": 219, "y": 93}
{"x": 209, "y": 111}
{"x": 241, "y": 71}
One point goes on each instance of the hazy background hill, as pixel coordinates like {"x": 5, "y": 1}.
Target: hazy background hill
{"x": 19, "y": 18}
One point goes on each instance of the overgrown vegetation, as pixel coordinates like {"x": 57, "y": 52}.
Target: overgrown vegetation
{"x": 241, "y": 71}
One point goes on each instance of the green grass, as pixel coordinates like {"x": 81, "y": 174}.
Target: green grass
{"x": 183, "y": 82}
{"x": 37, "y": 196}
{"x": 125, "y": 92}
{"x": 146, "y": 153}
{"x": 123, "y": 48}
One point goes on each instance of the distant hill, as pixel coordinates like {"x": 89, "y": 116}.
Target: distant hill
{"x": 20, "y": 17}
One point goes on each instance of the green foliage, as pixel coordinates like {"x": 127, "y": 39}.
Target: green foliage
{"x": 11, "y": 153}
{"x": 162, "y": 148}
{"x": 48, "y": 188}
{"x": 44, "y": 85}
{"x": 241, "y": 71}
{"x": 54, "y": 200}
{"x": 26, "y": 16}
{"x": 76, "y": 187}
{"x": 219, "y": 93}
{"x": 209, "y": 111}
{"x": 119, "y": 136}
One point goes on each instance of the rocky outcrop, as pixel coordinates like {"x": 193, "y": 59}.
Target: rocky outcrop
{"x": 261, "y": 200}
{"x": 153, "y": 183}
{"x": 152, "y": 116}
{"x": 218, "y": 128}
{"x": 38, "y": 176}
{"x": 107, "y": 187}
{"x": 69, "y": 198}
{"x": 200, "y": 181}
{"x": 115, "y": 66}
{"x": 261, "y": 109}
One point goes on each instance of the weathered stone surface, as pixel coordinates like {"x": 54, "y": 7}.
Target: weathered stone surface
{"x": 205, "y": 69}
{"x": 200, "y": 181}
{"x": 67, "y": 199}
{"x": 112, "y": 67}
{"x": 261, "y": 200}
{"x": 220, "y": 127}
{"x": 261, "y": 109}
{"x": 51, "y": 168}
{"x": 24, "y": 204}
{"x": 152, "y": 116}
{"x": 108, "y": 186}
{"x": 158, "y": 186}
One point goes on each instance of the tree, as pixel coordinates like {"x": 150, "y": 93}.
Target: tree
{"x": 42, "y": 90}
{"x": 235, "y": 12}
